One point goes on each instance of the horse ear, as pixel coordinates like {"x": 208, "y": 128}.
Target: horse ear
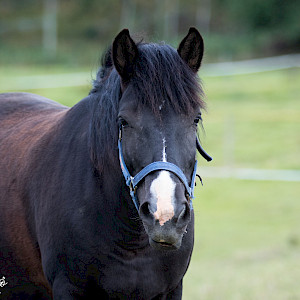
{"x": 191, "y": 49}
{"x": 124, "y": 55}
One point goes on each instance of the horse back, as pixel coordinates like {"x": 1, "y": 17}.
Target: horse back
{"x": 24, "y": 120}
{"x": 11, "y": 103}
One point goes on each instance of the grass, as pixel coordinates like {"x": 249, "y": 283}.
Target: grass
{"x": 247, "y": 243}
{"x": 255, "y": 119}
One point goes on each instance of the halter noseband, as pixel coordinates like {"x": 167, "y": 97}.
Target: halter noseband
{"x": 133, "y": 181}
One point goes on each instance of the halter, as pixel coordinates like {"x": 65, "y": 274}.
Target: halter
{"x": 133, "y": 181}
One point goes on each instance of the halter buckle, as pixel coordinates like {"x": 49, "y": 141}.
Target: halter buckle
{"x": 131, "y": 186}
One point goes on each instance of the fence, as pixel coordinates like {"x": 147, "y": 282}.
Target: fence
{"x": 209, "y": 70}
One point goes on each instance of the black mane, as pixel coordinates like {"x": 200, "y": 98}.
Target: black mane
{"x": 160, "y": 75}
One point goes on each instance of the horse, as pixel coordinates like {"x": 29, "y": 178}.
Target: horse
{"x": 96, "y": 199}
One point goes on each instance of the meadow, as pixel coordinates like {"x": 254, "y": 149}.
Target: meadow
{"x": 247, "y": 242}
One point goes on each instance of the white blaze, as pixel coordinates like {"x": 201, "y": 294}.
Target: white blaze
{"x": 162, "y": 189}
{"x": 164, "y": 154}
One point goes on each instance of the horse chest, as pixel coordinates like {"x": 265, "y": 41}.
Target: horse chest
{"x": 144, "y": 276}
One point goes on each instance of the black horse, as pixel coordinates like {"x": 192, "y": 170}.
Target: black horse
{"x": 69, "y": 227}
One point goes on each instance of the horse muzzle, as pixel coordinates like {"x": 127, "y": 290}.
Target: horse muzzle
{"x": 164, "y": 211}
{"x": 168, "y": 236}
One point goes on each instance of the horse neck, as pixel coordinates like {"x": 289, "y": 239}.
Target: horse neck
{"x": 121, "y": 206}
{"x": 115, "y": 199}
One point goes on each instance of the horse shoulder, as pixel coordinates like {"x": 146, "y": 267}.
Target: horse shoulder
{"x": 24, "y": 120}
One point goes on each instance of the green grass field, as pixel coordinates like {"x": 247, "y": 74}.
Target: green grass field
{"x": 247, "y": 243}
{"x": 260, "y": 116}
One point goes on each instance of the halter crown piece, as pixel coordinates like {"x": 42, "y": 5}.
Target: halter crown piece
{"x": 133, "y": 181}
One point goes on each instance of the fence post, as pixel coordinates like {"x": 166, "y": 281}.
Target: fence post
{"x": 50, "y": 27}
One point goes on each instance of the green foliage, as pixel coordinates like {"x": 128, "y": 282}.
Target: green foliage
{"x": 233, "y": 29}
{"x": 271, "y": 26}
{"x": 258, "y": 15}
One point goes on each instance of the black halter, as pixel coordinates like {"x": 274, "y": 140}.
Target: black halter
{"x": 132, "y": 182}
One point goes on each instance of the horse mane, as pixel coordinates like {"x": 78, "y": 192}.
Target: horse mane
{"x": 160, "y": 76}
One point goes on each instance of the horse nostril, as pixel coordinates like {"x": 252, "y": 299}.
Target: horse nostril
{"x": 146, "y": 213}
{"x": 145, "y": 209}
{"x": 184, "y": 216}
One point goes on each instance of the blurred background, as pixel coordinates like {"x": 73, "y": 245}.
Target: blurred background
{"x": 247, "y": 243}
{"x": 68, "y": 31}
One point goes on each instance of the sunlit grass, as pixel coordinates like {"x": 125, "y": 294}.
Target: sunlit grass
{"x": 247, "y": 243}
{"x": 256, "y": 118}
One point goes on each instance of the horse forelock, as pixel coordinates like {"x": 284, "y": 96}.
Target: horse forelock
{"x": 161, "y": 75}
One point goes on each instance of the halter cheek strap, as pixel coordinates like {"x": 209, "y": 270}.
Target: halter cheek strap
{"x": 133, "y": 181}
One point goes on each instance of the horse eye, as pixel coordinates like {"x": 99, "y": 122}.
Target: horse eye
{"x": 197, "y": 120}
{"x": 123, "y": 122}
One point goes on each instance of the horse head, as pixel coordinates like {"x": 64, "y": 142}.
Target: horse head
{"x": 159, "y": 111}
